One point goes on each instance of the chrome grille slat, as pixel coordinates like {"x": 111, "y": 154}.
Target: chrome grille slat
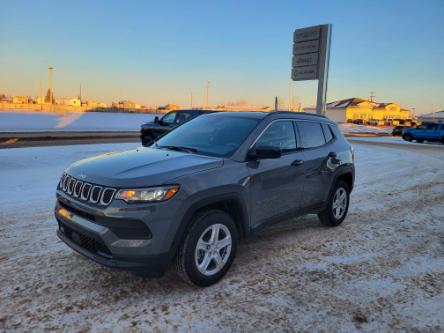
{"x": 78, "y": 188}
{"x": 88, "y": 192}
{"x": 109, "y": 193}
{"x": 86, "y": 187}
{"x": 95, "y": 194}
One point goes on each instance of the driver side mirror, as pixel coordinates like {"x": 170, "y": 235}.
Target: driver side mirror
{"x": 262, "y": 152}
{"x": 156, "y": 119}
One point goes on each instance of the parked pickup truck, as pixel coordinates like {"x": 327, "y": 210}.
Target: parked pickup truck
{"x": 424, "y": 132}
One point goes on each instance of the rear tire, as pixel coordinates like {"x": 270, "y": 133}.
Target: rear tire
{"x": 337, "y": 207}
{"x": 208, "y": 249}
{"x": 407, "y": 137}
{"x": 442, "y": 139}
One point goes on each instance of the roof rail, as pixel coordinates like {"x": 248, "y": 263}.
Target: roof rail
{"x": 297, "y": 113}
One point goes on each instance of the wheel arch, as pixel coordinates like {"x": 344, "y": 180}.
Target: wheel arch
{"x": 231, "y": 203}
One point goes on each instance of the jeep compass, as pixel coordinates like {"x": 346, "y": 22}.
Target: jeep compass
{"x": 191, "y": 196}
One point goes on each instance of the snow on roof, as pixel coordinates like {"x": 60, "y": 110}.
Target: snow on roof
{"x": 436, "y": 115}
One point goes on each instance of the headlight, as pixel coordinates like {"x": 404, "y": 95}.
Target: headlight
{"x": 151, "y": 194}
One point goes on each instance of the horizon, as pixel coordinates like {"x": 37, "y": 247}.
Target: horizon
{"x": 155, "y": 54}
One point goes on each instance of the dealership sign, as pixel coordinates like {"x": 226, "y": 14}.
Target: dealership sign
{"x": 311, "y": 55}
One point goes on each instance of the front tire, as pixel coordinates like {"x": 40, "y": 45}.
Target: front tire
{"x": 407, "y": 137}
{"x": 208, "y": 249}
{"x": 337, "y": 207}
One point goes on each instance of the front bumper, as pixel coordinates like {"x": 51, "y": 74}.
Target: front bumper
{"x": 127, "y": 239}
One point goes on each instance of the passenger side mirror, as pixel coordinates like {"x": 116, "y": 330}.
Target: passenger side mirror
{"x": 156, "y": 119}
{"x": 262, "y": 152}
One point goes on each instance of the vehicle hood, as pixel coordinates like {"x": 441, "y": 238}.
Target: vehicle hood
{"x": 141, "y": 167}
{"x": 151, "y": 124}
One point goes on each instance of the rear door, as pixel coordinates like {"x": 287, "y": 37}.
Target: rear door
{"x": 275, "y": 185}
{"x": 317, "y": 146}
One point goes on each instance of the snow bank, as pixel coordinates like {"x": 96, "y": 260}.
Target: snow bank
{"x": 71, "y": 121}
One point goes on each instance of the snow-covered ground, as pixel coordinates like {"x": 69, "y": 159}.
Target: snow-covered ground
{"x": 107, "y": 121}
{"x": 354, "y": 129}
{"x": 71, "y": 121}
{"x": 396, "y": 140}
{"x": 381, "y": 270}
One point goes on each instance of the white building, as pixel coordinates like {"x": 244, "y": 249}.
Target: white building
{"x": 435, "y": 117}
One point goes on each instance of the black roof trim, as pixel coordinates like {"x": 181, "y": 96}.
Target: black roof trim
{"x": 297, "y": 114}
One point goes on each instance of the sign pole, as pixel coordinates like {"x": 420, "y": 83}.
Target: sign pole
{"x": 323, "y": 69}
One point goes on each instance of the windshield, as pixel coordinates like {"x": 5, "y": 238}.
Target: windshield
{"x": 208, "y": 135}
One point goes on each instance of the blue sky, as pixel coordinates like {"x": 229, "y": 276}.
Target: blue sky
{"x": 155, "y": 52}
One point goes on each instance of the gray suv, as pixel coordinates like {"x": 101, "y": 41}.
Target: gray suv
{"x": 194, "y": 193}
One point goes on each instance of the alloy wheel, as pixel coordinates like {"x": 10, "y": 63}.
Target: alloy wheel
{"x": 339, "y": 203}
{"x": 213, "y": 249}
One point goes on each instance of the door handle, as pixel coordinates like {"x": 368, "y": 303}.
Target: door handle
{"x": 297, "y": 162}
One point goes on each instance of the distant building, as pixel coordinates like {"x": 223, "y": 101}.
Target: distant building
{"x": 126, "y": 105}
{"x": 69, "y": 101}
{"x": 95, "y": 105}
{"x": 434, "y": 117}
{"x": 366, "y": 110}
{"x": 169, "y": 107}
{"x": 22, "y": 100}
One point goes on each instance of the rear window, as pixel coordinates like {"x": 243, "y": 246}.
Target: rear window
{"x": 311, "y": 134}
{"x": 327, "y": 132}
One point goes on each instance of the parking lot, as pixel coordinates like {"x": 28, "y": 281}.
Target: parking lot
{"x": 381, "y": 270}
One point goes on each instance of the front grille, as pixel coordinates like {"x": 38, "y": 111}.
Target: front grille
{"x": 88, "y": 243}
{"x": 87, "y": 192}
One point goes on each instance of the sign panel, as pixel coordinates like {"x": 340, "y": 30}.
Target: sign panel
{"x": 311, "y": 33}
{"x": 311, "y": 55}
{"x": 305, "y": 59}
{"x": 304, "y": 73}
{"x": 306, "y": 47}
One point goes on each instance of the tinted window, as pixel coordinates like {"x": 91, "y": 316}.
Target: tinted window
{"x": 213, "y": 136}
{"x": 169, "y": 118}
{"x": 311, "y": 134}
{"x": 183, "y": 117}
{"x": 327, "y": 133}
{"x": 279, "y": 134}
{"x": 431, "y": 126}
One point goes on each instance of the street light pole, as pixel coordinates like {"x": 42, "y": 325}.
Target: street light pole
{"x": 51, "y": 95}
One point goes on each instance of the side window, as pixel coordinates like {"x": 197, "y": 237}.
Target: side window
{"x": 183, "y": 117}
{"x": 327, "y": 132}
{"x": 169, "y": 118}
{"x": 311, "y": 134}
{"x": 431, "y": 126}
{"x": 279, "y": 134}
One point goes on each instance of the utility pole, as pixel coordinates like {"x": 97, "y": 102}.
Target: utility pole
{"x": 51, "y": 95}
{"x": 80, "y": 93}
{"x": 42, "y": 99}
{"x": 207, "y": 87}
{"x": 276, "y": 103}
{"x": 372, "y": 96}
{"x": 289, "y": 95}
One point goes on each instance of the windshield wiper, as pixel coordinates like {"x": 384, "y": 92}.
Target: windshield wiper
{"x": 179, "y": 148}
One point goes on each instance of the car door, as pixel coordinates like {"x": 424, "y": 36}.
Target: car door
{"x": 432, "y": 132}
{"x": 275, "y": 184}
{"x": 318, "y": 154}
{"x": 169, "y": 120}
